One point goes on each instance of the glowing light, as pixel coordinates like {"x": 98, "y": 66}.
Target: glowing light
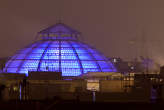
{"x": 56, "y": 53}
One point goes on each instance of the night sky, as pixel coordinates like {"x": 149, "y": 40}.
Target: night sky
{"x": 118, "y": 28}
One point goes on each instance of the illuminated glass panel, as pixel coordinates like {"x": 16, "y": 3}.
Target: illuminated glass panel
{"x": 24, "y": 70}
{"x": 52, "y": 50}
{"x": 85, "y": 56}
{"x": 51, "y": 53}
{"x": 21, "y": 56}
{"x": 81, "y": 50}
{"x": 30, "y": 63}
{"x": 71, "y": 72}
{"x": 8, "y": 63}
{"x": 89, "y": 64}
{"x": 35, "y": 56}
{"x": 51, "y": 56}
{"x": 92, "y": 51}
{"x": 15, "y": 63}
{"x": 54, "y": 44}
{"x": 24, "y": 51}
{"x": 65, "y": 44}
{"x": 11, "y": 70}
{"x": 91, "y": 70}
{"x": 44, "y": 44}
{"x": 13, "y": 57}
{"x": 108, "y": 70}
{"x": 68, "y": 56}
{"x": 103, "y": 64}
{"x": 67, "y": 50}
{"x": 38, "y": 50}
{"x": 98, "y": 57}
{"x": 75, "y": 45}
{"x": 70, "y": 64}
{"x": 49, "y": 65}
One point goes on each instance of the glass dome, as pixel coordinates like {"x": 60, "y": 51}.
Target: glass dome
{"x": 59, "y": 50}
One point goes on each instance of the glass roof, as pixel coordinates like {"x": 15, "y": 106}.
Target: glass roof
{"x": 61, "y": 54}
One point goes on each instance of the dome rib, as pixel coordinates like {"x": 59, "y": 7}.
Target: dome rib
{"x": 44, "y": 52}
{"x": 77, "y": 56}
{"x": 92, "y": 57}
{"x": 28, "y": 53}
{"x": 60, "y": 68}
{"x": 9, "y": 63}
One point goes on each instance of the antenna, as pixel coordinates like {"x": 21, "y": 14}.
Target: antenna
{"x": 143, "y": 42}
{"x": 134, "y": 43}
{"x": 131, "y": 45}
{"x": 144, "y": 51}
{"x": 59, "y": 20}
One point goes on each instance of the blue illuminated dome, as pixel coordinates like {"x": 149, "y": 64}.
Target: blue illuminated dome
{"x": 59, "y": 50}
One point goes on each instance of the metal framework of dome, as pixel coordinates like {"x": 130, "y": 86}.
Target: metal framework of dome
{"x": 59, "y": 50}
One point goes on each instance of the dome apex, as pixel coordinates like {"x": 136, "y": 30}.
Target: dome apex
{"x": 59, "y": 28}
{"x": 59, "y": 31}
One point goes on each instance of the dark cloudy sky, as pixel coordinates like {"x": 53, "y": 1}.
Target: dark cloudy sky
{"x": 121, "y": 28}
